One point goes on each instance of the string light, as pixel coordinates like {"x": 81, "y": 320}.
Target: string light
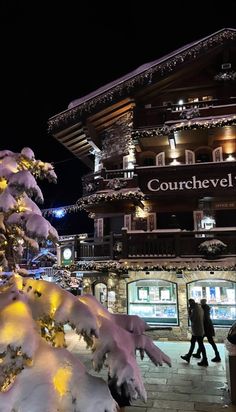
{"x": 120, "y": 267}
{"x": 61, "y": 211}
{"x": 160, "y": 68}
{"x": 186, "y": 125}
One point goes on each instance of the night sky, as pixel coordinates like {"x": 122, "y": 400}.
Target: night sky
{"x": 53, "y": 52}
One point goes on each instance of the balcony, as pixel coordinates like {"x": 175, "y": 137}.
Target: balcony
{"x": 108, "y": 179}
{"x": 158, "y": 244}
{"x": 140, "y": 176}
{"x": 158, "y": 115}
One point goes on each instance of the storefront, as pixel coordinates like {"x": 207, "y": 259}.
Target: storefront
{"x": 220, "y": 295}
{"x": 154, "y": 300}
{"x": 161, "y": 298}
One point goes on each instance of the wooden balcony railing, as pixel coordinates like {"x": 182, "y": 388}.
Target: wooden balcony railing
{"x": 99, "y": 249}
{"x": 157, "y": 244}
{"x": 158, "y": 115}
{"x": 95, "y": 182}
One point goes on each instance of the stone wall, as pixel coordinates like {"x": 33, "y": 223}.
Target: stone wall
{"x": 181, "y": 332}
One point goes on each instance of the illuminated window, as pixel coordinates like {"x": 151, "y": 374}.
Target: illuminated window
{"x": 205, "y": 98}
{"x": 220, "y": 296}
{"x": 153, "y": 300}
{"x": 193, "y": 99}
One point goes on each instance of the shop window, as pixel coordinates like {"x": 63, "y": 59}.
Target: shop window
{"x": 153, "y": 300}
{"x": 220, "y": 296}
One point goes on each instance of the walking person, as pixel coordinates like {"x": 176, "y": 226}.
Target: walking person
{"x": 209, "y": 332}
{"x": 196, "y": 316}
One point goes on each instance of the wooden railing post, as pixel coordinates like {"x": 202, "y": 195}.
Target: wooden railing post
{"x": 177, "y": 244}
{"x": 111, "y": 245}
{"x": 124, "y": 243}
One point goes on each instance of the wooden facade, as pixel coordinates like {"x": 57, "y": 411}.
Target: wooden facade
{"x": 161, "y": 145}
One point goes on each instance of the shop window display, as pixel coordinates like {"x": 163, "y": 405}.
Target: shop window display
{"x": 153, "y": 300}
{"x": 220, "y": 296}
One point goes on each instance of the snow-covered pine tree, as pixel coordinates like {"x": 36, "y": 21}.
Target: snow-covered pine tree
{"x": 21, "y": 221}
{"x": 37, "y": 372}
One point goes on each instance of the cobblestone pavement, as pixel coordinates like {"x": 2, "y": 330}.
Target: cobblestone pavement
{"x": 181, "y": 388}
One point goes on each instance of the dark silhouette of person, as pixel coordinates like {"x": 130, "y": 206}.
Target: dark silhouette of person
{"x": 209, "y": 332}
{"x": 120, "y": 394}
{"x": 196, "y": 316}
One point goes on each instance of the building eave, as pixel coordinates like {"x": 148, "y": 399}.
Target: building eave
{"x": 142, "y": 76}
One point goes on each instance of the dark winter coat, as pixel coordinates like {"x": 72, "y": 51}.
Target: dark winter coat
{"x": 196, "y": 316}
{"x": 208, "y": 325}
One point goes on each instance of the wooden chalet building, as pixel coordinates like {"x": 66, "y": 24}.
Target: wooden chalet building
{"x": 161, "y": 146}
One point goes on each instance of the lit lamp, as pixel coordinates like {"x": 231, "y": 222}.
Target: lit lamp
{"x": 172, "y": 141}
{"x": 230, "y": 158}
{"x": 59, "y": 213}
{"x": 179, "y": 273}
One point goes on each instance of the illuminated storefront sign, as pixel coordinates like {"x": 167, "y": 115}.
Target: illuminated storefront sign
{"x": 202, "y": 179}
{"x": 156, "y": 185}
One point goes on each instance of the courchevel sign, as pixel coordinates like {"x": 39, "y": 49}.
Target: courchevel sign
{"x": 193, "y": 183}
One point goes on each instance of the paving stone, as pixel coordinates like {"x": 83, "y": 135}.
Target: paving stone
{"x": 181, "y": 388}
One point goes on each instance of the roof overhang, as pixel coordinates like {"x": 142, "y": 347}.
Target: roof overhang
{"x": 142, "y": 76}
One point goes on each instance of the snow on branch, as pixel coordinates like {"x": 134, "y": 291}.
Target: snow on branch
{"x": 38, "y": 374}
{"x": 37, "y": 377}
{"x": 21, "y": 220}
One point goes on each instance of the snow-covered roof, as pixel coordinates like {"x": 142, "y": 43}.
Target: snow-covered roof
{"x": 44, "y": 254}
{"x": 140, "y": 77}
{"x": 146, "y": 67}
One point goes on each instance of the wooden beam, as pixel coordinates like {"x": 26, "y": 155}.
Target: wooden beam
{"x": 75, "y": 139}
{"x": 78, "y": 144}
{"x": 109, "y": 109}
{"x": 72, "y": 129}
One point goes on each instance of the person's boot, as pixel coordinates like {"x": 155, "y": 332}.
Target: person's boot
{"x": 196, "y": 355}
{"x": 203, "y": 362}
{"x": 216, "y": 358}
{"x": 186, "y": 357}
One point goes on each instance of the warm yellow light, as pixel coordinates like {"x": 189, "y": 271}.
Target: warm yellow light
{"x": 25, "y": 163}
{"x": 3, "y": 184}
{"x": 55, "y": 301}
{"x": 175, "y": 162}
{"x": 16, "y": 309}
{"x": 139, "y": 212}
{"x": 230, "y": 158}
{"x": 59, "y": 339}
{"x": 9, "y": 331}
{"x": 230, "y": 147}
{"x": 61, "y": 379}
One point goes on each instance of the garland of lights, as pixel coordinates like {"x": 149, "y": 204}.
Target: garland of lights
{"x": 225, "y": 76}
{"x": 118, "y": 267}
{"x": 186, "y": 125}
{"x": 141, "y": 79}
{"x": 59, "y": 212}
{"x": 96, "y": 198}
{"x": 165, "y": 130}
